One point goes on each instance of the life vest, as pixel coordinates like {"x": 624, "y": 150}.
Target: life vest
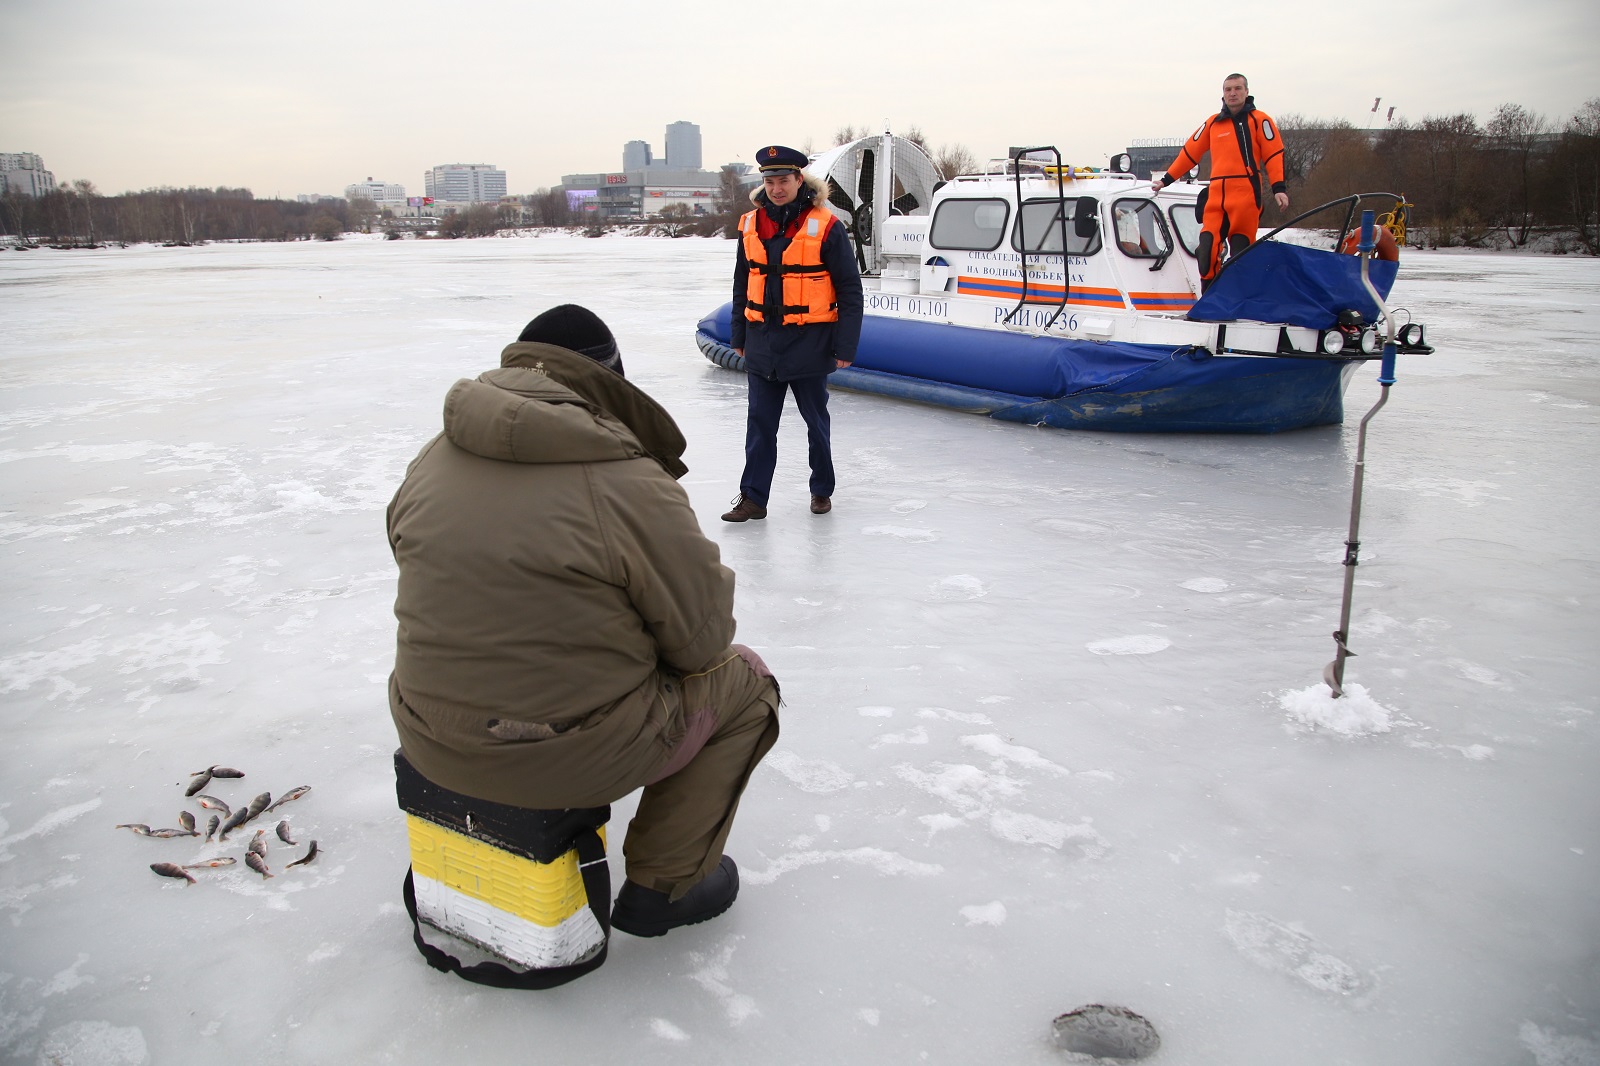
{"x": 807, "y": 291}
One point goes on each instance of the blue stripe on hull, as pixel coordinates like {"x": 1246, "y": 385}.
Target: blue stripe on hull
{"x": 1073, "y": 384}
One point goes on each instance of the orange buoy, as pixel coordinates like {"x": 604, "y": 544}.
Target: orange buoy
{"x": 1386, "y": 248}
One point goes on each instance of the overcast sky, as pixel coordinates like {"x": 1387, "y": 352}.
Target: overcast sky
{"x": 299, "y": 98}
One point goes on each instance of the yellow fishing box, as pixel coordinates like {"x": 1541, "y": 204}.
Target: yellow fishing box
{"x": 516, "y": 883}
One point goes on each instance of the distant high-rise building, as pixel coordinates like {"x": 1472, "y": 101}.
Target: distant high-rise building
{"x": 635, "y": 155}
{"x": 24, "y": 172}
{"x": 683, "y": 146}
{"x": 379, "y": 192}
{"x": 466, "y": 183}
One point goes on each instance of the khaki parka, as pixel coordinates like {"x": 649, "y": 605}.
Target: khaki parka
{"x": 554, "y": 585}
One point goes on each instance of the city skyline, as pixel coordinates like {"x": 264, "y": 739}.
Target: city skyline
{"x": 172, "y": 95}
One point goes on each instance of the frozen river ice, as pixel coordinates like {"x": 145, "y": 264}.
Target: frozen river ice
{"x": 1050, "y": 736}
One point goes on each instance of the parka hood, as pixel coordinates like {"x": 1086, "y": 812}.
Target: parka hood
{"x": 548, "y": 404}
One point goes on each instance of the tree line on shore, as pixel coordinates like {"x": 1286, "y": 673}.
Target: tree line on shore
{"x": 1508, "y": 180}
{"x": 1505, "y": 181}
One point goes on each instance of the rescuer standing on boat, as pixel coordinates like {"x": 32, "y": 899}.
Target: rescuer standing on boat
{"x": 797, "y": 309}
{"x": 1243, "y": 143}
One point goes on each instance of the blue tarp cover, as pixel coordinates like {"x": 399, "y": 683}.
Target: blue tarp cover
{"x": 1276, "y": 282}
{"x": 991, "y": 359}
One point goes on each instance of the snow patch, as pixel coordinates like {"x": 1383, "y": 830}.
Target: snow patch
{"x": 888, "y": 863}
{"x": 809, "y": 775}
{"x": 1473, "y": 672}
{"x": 903, "y": 532}
{"x": 68, "y": 979}
{"x": 995, "y": 746}
{"x": 985, "y": 913}
{"x": 48, "y": 824}
{"x": 1019, "y": 828}
{"x": 1141, "y": 644}
{"x": 963, "y": 786}
{"x": 100, "y": 1043}
{"x": 917, "y": 735}
{"x": 1354, "y": 714}
{"x": 959, "y": 587}
{"x": 1280, "y": 947}
{"x": 712, "y": 976}
{"x": 664, "y": 1029}
{"x": 1550, "y": 1048}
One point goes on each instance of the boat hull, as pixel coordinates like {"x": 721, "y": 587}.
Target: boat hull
{"x": 1076, "y": 384}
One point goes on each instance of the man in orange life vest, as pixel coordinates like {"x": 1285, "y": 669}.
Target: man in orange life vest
{"x": 1244, "y": 143}
{"x": 797, "y": 309}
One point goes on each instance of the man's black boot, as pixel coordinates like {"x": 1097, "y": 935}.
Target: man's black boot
{"x": 646, "y": 912}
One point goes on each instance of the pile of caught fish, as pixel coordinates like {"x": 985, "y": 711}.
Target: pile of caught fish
{"x": 224, "y": 821}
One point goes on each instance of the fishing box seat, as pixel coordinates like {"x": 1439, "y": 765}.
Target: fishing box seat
{"x": 530, "y": 887}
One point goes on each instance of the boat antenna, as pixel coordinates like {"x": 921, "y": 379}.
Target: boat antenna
{"x": 1333, "y": 673}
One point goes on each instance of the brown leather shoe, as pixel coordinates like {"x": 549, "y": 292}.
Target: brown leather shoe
{"x": 744, "y": 509}
{"x": 821, "y": 504}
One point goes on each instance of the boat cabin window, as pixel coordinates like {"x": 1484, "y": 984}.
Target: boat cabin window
{"x": 1038, "y": 228}
{"x": 1186, "y": 226}
{"x": 1139, "y": 229}
{"x": 969, "y": 225}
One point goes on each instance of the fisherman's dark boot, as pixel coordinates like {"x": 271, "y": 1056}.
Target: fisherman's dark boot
{"x": 646, "y": 912}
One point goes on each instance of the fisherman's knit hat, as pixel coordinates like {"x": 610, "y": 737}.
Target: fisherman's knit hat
{"x": 578, "y": 329}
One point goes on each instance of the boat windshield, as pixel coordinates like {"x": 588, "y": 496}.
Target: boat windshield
{"x": 1038, "y": 228}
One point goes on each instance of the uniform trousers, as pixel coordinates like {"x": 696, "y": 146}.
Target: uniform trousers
{"x": 761, "y": 434}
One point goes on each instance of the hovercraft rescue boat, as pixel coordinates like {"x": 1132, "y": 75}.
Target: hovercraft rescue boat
{"x": 1047, "y": 294}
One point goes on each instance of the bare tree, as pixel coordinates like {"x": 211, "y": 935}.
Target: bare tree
{"x": 846, "y": 134}
{"x": 1515, "y": 134}
{"x": 86, "y": 192}
{"x": 548, "y": 207}
{"x": 1576, "y": 170}
{"x": 1443, "y": 161}
{"x": 675, "y": 220}
{"x": 1305, "y": 142}
{"x": 953, "y": 159}
{"x": 362, "y": 212}
{"x": 731, "y": 201}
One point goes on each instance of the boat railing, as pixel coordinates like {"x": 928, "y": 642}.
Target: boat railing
{"x": 1017, "y": 155}
{"x": 1349, "y": 203}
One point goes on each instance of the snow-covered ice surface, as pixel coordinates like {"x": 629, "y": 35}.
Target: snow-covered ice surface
{"x": 1052, "y": 734}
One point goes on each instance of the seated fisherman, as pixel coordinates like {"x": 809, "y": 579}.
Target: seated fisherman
{"x": 564, "y": 625}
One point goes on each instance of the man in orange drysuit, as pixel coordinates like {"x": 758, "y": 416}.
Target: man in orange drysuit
{"x": 1243, "y": 143}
